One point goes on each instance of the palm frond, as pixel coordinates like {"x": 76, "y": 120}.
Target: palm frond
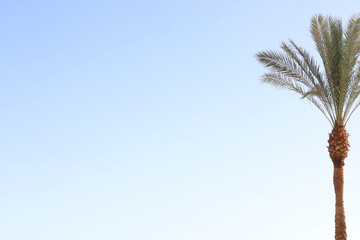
{"x": 329, "y": 117}
{"x": 320, "y": 33}
{"x": 351, "y": 46}
{"x": 284, "y": 65}
{"x": 335, "y": 90}
{"x": 310, "y": 63}
{"x": 312, "y": 70}
{"x": 280, "y": 81}
{"x": 353, "y": 110}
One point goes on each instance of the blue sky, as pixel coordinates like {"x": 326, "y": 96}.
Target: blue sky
{"x": 134, "y": 120}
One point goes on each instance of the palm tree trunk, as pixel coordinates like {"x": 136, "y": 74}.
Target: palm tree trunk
{"x": 340, "y": 224}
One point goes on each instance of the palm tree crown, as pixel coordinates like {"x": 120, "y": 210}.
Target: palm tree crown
{"x": 335, "y": 89}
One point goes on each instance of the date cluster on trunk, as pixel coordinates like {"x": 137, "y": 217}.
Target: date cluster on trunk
{"x": 338, "y": 144}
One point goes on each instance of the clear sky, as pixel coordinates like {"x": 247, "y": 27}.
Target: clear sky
{"x": 145, "y": 120}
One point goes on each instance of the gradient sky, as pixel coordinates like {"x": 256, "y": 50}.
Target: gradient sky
{"x": 145, "y": 120}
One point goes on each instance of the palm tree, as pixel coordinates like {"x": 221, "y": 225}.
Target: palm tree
{"x": 334, "y": 89}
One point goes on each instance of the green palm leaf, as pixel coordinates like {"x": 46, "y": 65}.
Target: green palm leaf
{"x": 334, "y": 91}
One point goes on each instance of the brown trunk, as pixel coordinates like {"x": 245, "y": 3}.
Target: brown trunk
{"x": 338, "y": 150}
{"x": 340, "y": 224}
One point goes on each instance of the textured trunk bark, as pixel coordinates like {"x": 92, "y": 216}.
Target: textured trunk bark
{"x": 340, "y": 224}
{"x": 338, "y": 150}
